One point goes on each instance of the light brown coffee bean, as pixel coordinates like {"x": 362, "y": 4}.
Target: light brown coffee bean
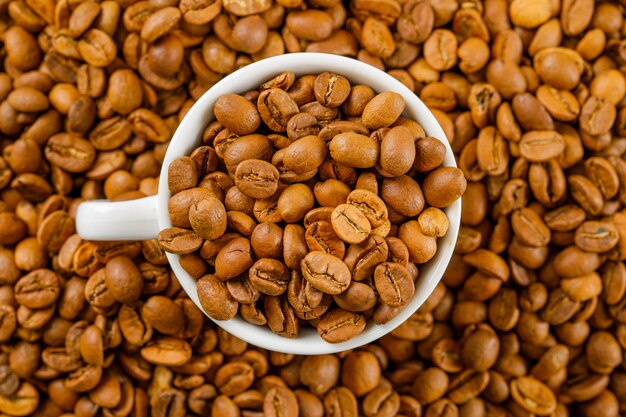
{"x": 166, "y": 350}
{"x": 37, "y": 289}
{"x": 532, "y": 395}
{"x": 339, "y": 325}
{"x": 350, "y": 224}
{"x": 163, "y": 314}
{"x": 179, "y": 241}
{"x": 208, "y": 218}
{"x": 588, "y": 196}
{"x": 311, "y": 25}
{"x": 305, "y": 154}
{"x": 269, "y": 276}
{"x": 330, "y": 89}
{"x": 440, "y": 49}
{"x": 294, "y": 246}
{"x": 569, "y": 62}
{"x": 403, "y": 194}
{"x": 394, "y": 284}
{"x": 340, "y": 400}
{"x": 294, "y": 202}
{"x": 541, "y": 146}
{"x": 234, "y": 258}
{"x": 443, "y": 186}
{"x": 433, "y": 222}
{"x": 529, "y": 228}
{"x": 421, "y": 247}
{"x": 383, "y": 110}
{"x": 363, "y": 258}
{"x": 97, "y": 48}
{"x": 159, "y": 23}
{"x": 321, "y": 236}
{"x": 354, "y": 150}
{"x": 596, "y": 236}
{"x": 237, "y": 114}
{"x": 280, "y": 401}
{"x": 256, "y": 178}
{"x": 211, "y": 288}
{"x": 331, "y": 192}
{"x": 276, "y": 107}
{"x": 358, "y": 297}
{"x": 301, "y": 294}
{"x": 123, "y": 279}
{"x": 22, "y": 403}
{"x": 28, "y": 99}
{"x": 325, "y": 272}
{"x": 356, "y": 101}
{"x": 597, "y": 116}
{"x": 397, "y": 151}
{"x": 234, "y": 378}
{"x": 125, "y": 91}
{"x": 301, "y": 125}
{"x": 281, "y": 317}
{"x": 561, "y": 104}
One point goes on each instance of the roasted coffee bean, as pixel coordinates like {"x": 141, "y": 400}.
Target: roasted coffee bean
{"x": 325, "y": 272}
{"x": 301, "y": 294}
{"x": 305, "y": 154}
{"x": 339, "y": 325}
{"x": 163, "y": 314}
{"x": 295, "y": 202}
{"x": 280, "y": 401}
{"x": 443, "y": 186}
{"x": 269, "y": 276}
{"x": 403, "y": 194}
{"x": 357, "y": 297}
{"x": 301, "y": 125}
{"x": 354, "y": 150}
{"x": 397, "y": 153}
{"x": 256, "y": 178}
{"x": 38, "y": 289}
{"x": 72, "y": 153}
{"x": 331, "y": 90}
{"x": 210, "y": 288}
{"x": 208, "y": 218}
{"x": 350, "y": 224}
{"x": 178, "y": 240}
{"x": 234, "y": 258}
{"x": 281, "y": 317}
{"x": 237, "y": 114}
{"x": 421, "y": 247}
{"x": 595, "y": 236}
{"x": 123, "y": 279}
{"x": 529, "y": 228}
{"x": 320, "y": 236}
{"x": 394, "y": 284}
{"x": 532, "y": 395}
{"x": 276, "y": 107}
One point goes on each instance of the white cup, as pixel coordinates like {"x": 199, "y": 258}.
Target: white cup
{"x": 143, "y": 218}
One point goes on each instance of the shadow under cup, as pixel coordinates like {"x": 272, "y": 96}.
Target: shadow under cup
{"x": 188, "y": 136}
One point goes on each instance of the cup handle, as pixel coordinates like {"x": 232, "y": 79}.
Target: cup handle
{"x": 124, "y": 220}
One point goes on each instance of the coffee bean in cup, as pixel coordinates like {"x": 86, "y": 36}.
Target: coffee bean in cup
{"x": 272, "y": 153}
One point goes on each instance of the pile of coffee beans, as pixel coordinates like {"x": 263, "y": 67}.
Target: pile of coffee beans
{"x": 530, "y": 94}
{"x": 304, "y": 205}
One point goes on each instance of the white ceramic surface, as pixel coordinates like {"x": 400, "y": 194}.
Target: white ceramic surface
{"x": 142, "y": 219}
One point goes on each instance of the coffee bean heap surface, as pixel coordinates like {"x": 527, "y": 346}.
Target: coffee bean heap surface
{"x": 311, "y": 201}
{"x": 529, "y": 319}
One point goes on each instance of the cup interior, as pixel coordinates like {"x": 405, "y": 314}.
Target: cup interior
{"x": 188, "y": 136}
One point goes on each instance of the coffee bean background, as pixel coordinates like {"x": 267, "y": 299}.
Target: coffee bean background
{"x": 528, "y": 320}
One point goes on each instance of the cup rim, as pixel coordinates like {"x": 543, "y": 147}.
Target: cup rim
{"x": 188, "y": 136}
